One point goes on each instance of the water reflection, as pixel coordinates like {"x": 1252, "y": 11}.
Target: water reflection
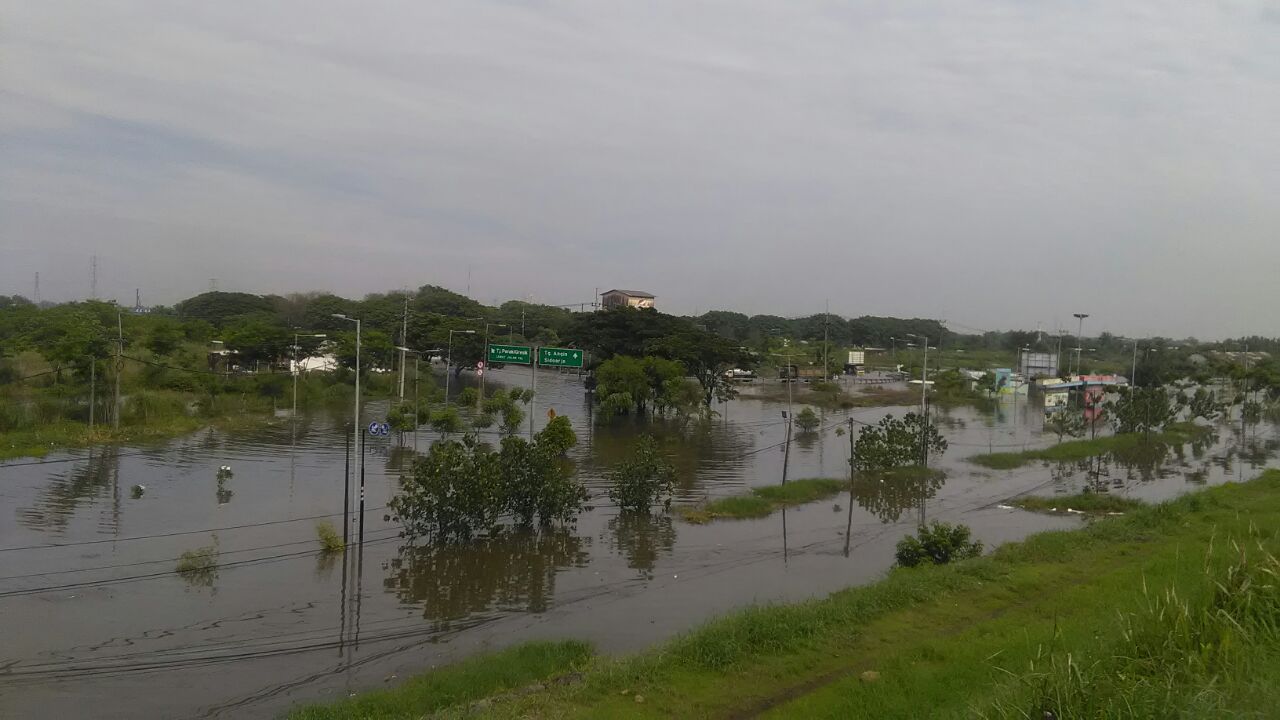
{"x": 641, "y": 538}
{"x": 888, "y": 496}
{"x": 97, "y": 477}
{"x": 511, "y": 570}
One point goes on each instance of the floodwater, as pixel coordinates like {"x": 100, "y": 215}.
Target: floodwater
{"x": 95, "y": 623}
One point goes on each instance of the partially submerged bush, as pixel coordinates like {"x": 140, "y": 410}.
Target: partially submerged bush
{"x": 807, "y": 420}
{"x": 644, "y": 479}
{"x": 199, "y": 566}
{"x": 330, "y": 540}
{"x": 461, "y": 489}
{"x": 939, "y": 543}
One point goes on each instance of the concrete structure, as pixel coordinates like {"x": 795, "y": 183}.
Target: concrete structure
{"x": 626, "y": 298}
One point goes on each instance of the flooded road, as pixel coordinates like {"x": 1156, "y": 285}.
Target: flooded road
{"x": 93, "y": 616}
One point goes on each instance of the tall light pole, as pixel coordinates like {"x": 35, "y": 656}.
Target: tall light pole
{"x": 1079, "y": 336}
{"x": 298, "y": 370}
{"x": 417, "y": 397}
{"x": 355, "y": 426}
{"x": 486, "y": 353}
{"x": 924, "y": 415}
{"x": 893, "y": 351}
{"x": 448, "y": 362}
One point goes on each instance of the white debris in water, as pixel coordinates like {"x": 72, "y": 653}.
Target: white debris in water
{"x": 1005, "y": 507}
{"x": 1075, "y": 512}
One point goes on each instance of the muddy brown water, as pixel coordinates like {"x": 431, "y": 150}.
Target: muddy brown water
{"x": 95, "y": 623}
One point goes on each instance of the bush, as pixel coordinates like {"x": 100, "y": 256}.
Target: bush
{"x": 468, "y": 397}
{"x": 558, "y": 436}
{"x": 807, "y": 420}
{"x": 199, "y": 566}
{"x": 644, "y": 479}
{"x": 939, "y": 543}
{"x": 460, "y": 489}
{"x": 330, "y": 540}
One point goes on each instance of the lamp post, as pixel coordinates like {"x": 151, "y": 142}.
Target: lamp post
{"x": 486, "y": 353}
{"x": 297, "y": 370}
{"x": 1079, "y": 336}
{"x": 893, "y": 351}
{"x": 924, "y": 411}
{"x": 355, "y": 429}
{"x": 417, "y": 397}
{"x": 448, "y": 362}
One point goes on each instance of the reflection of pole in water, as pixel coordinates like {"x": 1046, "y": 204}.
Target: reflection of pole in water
{"x": 784, "y": 535}
{"x": 786, "y": 455}
{"x": 848, "y": 524}
{"x": 346, "y": 495}
{"x": 359, "y": 591}
{"x": 342, "y": 607}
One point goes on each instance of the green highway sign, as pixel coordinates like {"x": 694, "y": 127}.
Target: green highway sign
{"x": 514, "y": 354}
{"x": 559, "y": 357}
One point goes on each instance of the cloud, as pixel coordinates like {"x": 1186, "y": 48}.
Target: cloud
{"x": 995, "y": 163}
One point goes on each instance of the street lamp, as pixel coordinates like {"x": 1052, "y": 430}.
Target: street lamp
{"x": 448, "y": 362}
{"x": 486, "y": 352}
{"x": 297, "y": 370}
{"x": 417, "y": 397}
{"x": 355, "y": 428}
{"x": 790, "y": 379}
{"x": 1079, "y": 335}
{"x": 924, "y": 369}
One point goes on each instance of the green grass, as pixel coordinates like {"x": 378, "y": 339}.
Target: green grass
{"x": 1172, "y": 603}
{"x": 1087, "y": 503}
{"x": 763, "y": 501}
{"x": 1073, "y": 450}
{"x": 458, "y": 685}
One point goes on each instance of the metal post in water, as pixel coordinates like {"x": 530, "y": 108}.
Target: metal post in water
{"x": 361, "y": 540}
{"x": 533, "y": 365}
{"x": 346, "y": 499}
{"x": 93, "y": 388}
{"x": 786, "y": 453}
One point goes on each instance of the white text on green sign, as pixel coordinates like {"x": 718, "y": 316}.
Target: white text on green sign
{"x": 515, "y": 354}
{"x": 559, "y": 357}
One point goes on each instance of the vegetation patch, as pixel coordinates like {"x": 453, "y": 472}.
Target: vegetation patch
{"x": 330, "y": 538}
{"x": 1088, "y": 503}
{"x": 763, "y": 501}
{"x": 1083, "y": 449}
{"x": 457, "y": 685}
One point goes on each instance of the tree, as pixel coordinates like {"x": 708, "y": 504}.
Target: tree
{"x": 644, "y": 479}
{"x": 455, "y": 491}
{"x": 1202, "y": 404}
{"x": 1143, "y": 409}
{"x": 165, "y": 336}
{"x": 217, "y": 308}
{"x": 807, "y": 420}
{"x": 1064, "y": 423}
{"x": 894, "y": 443}
{"x": 537, "y": 481}
{"x": 707, "y": 358}
{"x": 257, "y": 338}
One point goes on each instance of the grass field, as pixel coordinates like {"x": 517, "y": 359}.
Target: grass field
{"x": 763, "y": 501}
{"x": 1172, "y": 606}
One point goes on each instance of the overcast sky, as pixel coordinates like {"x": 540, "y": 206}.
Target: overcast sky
{"x": 994, "y": 164}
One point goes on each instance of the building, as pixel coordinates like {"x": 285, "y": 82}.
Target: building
{"x": 625, "y": 298}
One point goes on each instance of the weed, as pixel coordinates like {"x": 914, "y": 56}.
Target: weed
{"x": 330, "y": 540}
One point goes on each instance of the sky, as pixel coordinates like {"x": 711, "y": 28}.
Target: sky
{"x": 991, "y": 164}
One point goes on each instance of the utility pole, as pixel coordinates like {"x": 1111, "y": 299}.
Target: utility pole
{"x": 115, "y": 416}
{"x": 93, "y": 277}
{"x": 37, "y": 289}
{"x": 404, "y": 342}
{"x": 786, "y": 453}
{"x": 826, "y": 323}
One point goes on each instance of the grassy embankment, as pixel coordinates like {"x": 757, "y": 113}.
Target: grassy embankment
{"x": 763, "y": 501}
{"x": 1174, "y": 606}
{"x": 831, "y": 396}
{"x": 1074, "y": 450}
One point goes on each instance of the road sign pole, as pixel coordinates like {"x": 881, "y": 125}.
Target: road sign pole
{"x": 534, "y": 398}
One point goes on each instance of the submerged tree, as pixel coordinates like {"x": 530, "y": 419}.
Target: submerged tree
{"x": 1065, "y": 423}
{"x": 644, "y": 479}
{"x": 894, "y": 443}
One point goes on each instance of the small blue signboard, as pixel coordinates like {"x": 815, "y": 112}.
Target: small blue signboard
{"x": 379, "y": 428}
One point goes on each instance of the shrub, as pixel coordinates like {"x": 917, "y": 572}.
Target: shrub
{"x": 807, "y": 420}
{"x": 895, "y": 443}
{"x": 939, "y": 543}
{"x": 446, "y": 420}
{"x": 330, "y": 540}
{"x": 558, "y": 436}
{"x": 468, "y": 397}
{"x": 536, "y": 483}
{"x": 199, "y": 566}
{"x": 644, "y": 479}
